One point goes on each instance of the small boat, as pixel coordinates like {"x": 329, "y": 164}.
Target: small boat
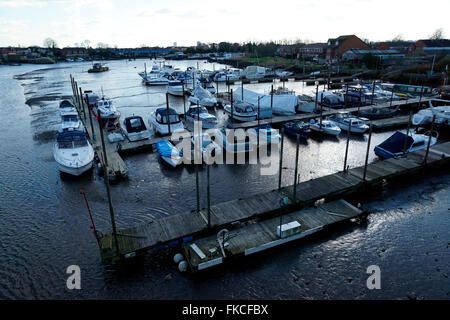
{"x": 266, "y": 134}
{"x": 160, "y": 122}
{"x": 394, "y": 146}
{"x": 327, "y": 127}
{"x": 209, "y": 86}
{"x": 73, "y": 153}
{"x": 134, "y": 128}
{"x": 241, "y": 111}
{"x": 425, "y": 116}
{"x": 90, "y": 98}
{"x": 226, "y": 76}
{"x": 233, "y": 143}
{"x": 70, "y": 120}
{"x": 199, "y": 113}
{"x": 378, "y": 113}
{"x": 106, "y": 108}
{"x": 66, "y": 106}
{"x": 297, "y": 128}
{"x": 98, "y": 67}
{"x": 202, "y": 97}
{"x": 155, "y": 79}
{"x": 328, "y": 99}
{"x": 169, "y": 153}
{"x": 175, "y": 88}
{"x": 306, "y": 104}
{"x": 343, "y": 120}
{"x": 209, "y": 149}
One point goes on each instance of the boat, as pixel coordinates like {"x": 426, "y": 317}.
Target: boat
{"x": 266, "y": 134}
{"x": 169, "y": 153}
{"x": 226, "y": 76}
{"x": 134, "y": 128}
{"x": 202, "y": 97}
{"x": 378, "y": 113}
{"x": 160, "y": 122}
{"x": 70, "y": 120}
{"x": 209, "y": 149}
{"x": 98, "y": 67}
{"x": 241, "y": 111}
{"x": 425, "y": 116}
{"x": 105, "y": 109}
{"x": 175, "y": 88}
{"x": 306, "y": 104}
{"x": 253, "y": 72}
{"x": 395, "y": 145}
{"x": 199, "y": 113}
{"x": 343, "y": 121}
{"x": 72, "y": 152}
{"x": 297, "y": 128}
{"x": 233, "y": 143}
{"x": 155, "y": 79}
{"x": 90, "y": 98}
{"x": 283, "y": 73}
{"x": 66, "y": 106}
{"x": 329, "y": 99}
{"x": 209, "y": 86}
{"x": 327, "y": 127}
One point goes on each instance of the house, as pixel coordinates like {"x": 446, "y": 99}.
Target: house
{"x": 402, "y": 46}
{"x": 356, "y": 55}
{"x": 315, "y": 50}
{"x": 74, "y": 52}
{"x": 338, "y": 46}
{"x": 288, "y": 50}
{"x": 432, "y": 47}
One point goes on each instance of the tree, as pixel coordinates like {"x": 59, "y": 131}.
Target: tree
{"x": 437, "y": 34}
{"x": 102, "y": 45}
{"x": 50, "y": 43}
{"x": 398, "y": 37}
{"x": 86, "y": 44}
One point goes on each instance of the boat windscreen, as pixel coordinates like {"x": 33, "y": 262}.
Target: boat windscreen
{"x": 70, "y": 118}
{"x": 135, "y": 125}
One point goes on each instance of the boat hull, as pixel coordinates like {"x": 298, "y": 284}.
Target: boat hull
{"x": 74, "y": 171}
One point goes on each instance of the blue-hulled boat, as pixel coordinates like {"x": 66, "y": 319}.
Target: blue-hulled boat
{"x": 169, "y": 153}
{"x": 297, "y": 128}
{"x": 394, "y": 146}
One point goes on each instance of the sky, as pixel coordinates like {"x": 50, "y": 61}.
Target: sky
{"x": 133, "y": 23}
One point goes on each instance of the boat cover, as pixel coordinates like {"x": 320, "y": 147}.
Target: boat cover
{"x": 283, "y": 104}
{"x": 71, "y": 135}
{"x": 202, "y": 93}
{"x": 166, "y": 149}
{"x": 66, "y": 104}
{"x": 396, "y": 142}
{"x": 130, "y": 128}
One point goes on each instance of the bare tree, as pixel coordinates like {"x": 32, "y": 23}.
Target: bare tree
{"x": 50, "y": 43}
{"x": 437, "y": 34}
{"x": 86, "y": 44}
{"x": 398, "y": 37}
{"x": 102, "y": 45}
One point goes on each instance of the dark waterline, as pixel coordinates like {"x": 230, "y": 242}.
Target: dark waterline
{"x": 45, "y": 226}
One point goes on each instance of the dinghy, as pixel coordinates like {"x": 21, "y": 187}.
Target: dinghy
{"x": 135, "y": 129}
{"x": 327, "y": 127}
{"x": 297, "y": 128}
{"x": 169, "y": 153}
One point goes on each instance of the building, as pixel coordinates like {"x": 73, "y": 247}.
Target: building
{"x": 356, "y": 55}
{"x": 314, "y": 50}
{"x": 338, "y": 46}
{"x": 288, "y": 50}
{"x": 402, "y": 46}
{"x": 74, "y": 52}
{"x": 432, "y": 47}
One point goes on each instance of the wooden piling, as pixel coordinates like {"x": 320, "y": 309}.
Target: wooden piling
{"x": 373, "y": 91}
{"x": 346, "y": 146}
{"x": 407, "y": 131}
{"x": 90, "y": 117}
{"x": 231, "y": 102}
{"x": 317, "y": 96}
{"x": 168, "y": 112}
{"x": 296, "y": 168}
{"x": 197, "y": 187}
{"x": 281, "y": 159}
{"x": 184, "y": 101}
{"x": 208, "y": 196}
{"x": 429, "y": 141}
{"x": 367, "y": 152}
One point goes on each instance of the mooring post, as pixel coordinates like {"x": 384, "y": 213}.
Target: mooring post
{"x": 346, "y": 146}
{"x": 429, "y": 141}
{"x": 373, "y": 91}
{"x": 259, "y": 129}
{"x": 317, "y": 95}
{"x": 208, "y": 196}
{"x": 296, "y": 168}
{"x": 108, "y": 191}
{"x": 421, "y": 92}
{"x": 197, "y": 187}
{"x": 168, "y": 111}
{"x": 90, "y": 117}
{"x": 360, "y": 100}
{"x": 82, "y": 104}
{"x": 281, "y": 159}
{"x": 232, "y": 112}
{"x": 367, "y": 152}
{"x": 321, "y": 112}
{"x": 242, "y": 91}
{"x": 92, "y": 219}
{"x": 392, "y": 96}
{"x": 184, "y": 100}
{"x": 407, "y": 131}
{"x": 217, "y": 85}
{"x": 271, "y": 101}
{"x": 346, "y": 95}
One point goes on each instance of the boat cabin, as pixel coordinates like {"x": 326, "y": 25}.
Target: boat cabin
{"x": 134, "y": 124}
{"x": 92, "y": 98}
{"x": 194, "y": 110}
{"x": 70, "y": 139}
{"x": 243, "y": 107}
{"x": 161, "y": 116}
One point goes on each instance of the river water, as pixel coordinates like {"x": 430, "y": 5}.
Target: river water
{"x": 44, "y": 224}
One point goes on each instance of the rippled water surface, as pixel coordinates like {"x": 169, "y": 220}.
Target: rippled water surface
{"x": 44, "y": 225}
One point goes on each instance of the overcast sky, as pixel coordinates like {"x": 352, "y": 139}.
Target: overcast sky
{"x": 132, "y": 23}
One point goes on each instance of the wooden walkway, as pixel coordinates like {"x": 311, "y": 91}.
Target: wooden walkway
{"x": 256, "y": 237}
{"x": 174, "y": 230}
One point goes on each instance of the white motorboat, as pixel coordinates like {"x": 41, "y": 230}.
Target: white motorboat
{"x": 306, "y": 104}
{"x": 226, "y": 76}
{"x": 329, "y": 99}
{"x": 210, "y": 87}
{"x": 266, "y": 135}
{"x": 70, "y": 120}
{"x": 134, "y": 128}
{"x": 156, "y": 79}
{"x": 199, "y": 113}
{"x": 175, "y": 88}
{"x": 241, "y": 111}
{"x": 105, "y": 109}
{"x": 233, "y": 143}
{"x": 327, "y": 127}
{"x": 73, "y": 153}
{"x": 66, "y": 106}
{"x": 160, "y": 121}
{"x": 425, "y": 116}
{"x": 398, "y": 143}
{"x": 202, "y": 97}
{"x": 254, "y": 72}
{"x": 210, "y": 150}
{"x": 357, "y": 125}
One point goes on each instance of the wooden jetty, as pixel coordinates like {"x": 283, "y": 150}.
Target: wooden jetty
{"x": 210, "y": 251}
{"x": 175, "y": 230}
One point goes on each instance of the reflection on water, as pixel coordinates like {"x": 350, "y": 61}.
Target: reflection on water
{"x": 45, "y": 226}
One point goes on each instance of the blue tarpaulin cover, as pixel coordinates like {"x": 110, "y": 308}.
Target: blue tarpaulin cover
{"x": 396, "y": 142}
{"x": 166, "y": 149}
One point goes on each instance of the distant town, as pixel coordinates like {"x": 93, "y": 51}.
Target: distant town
{"x": 414, "y": 62}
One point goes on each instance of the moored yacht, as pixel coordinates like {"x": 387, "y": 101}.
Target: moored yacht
{"x": 241, "y": 111}
{"x": 160, "y": 119}
{"x": 135, "y": 129}
{"x": 398, "y": 143}
{"x": 70, "y": 120}
{"x": 175, "y": 88}
{"x": 199, "y": 113}
{"x": 202, "y": 97}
